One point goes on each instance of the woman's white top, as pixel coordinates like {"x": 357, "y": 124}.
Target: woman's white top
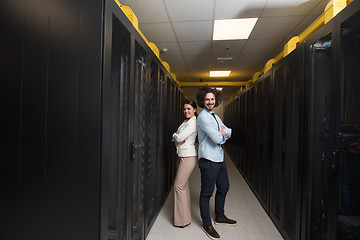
{"x": 187, "y": 131}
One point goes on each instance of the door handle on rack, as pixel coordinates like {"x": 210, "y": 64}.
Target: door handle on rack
{"x": 132, "y": 151}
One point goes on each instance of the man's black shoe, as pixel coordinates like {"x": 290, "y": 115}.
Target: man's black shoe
{"x": 210, "y": 232}
{"x": 225, "y": 221}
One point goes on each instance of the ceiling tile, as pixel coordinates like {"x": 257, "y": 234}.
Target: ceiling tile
{"x": 158, "y": 32}
{"x": 288, "y": 8}
{"x": 230, "y": 9}
{"x": 250, "y": 58}
{"x": 261, "y": 45}
{"x": 183, "y": 76}
{"x": 189, "y": 10}
{"x": 197, "y": 63}
{"x": 274, "y": 27}
{"x": 215, "y": 66}
{"x": 177, "y": 63}
{"x": 196, "y": 76}
{"x": 196, "y": 48}
{"x": 227, "y": 48}
{"x": 193, "y": 31}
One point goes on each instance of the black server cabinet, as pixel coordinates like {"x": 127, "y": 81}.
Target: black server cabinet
{"x": 80, "y": 89}
{"x": 149, "y": 98}
{"x": 242, "y": 135}
{"x": 50, "y": 78}
{"x": 236, "y": 126}
{"x": 263, "y": 141}
{"x": 285, "y": 199}
{"x": 344, "y": 220}
{"x": 314, "y": 134}
{"x": 319, "y": 72}
{"x": 117, "y": 130}
{"x": 153, "y": 169}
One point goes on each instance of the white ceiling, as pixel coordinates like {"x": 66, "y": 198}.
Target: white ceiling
{"x": 185, "y": 27}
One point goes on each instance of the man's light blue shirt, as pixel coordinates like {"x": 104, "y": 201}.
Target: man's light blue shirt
{"x": 210, "y": 139}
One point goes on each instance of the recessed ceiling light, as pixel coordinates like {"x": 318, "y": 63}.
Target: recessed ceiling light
{"x": 219, "y": 73}
{"x": 231, "y": 29}
{"x": 219, "y": 88}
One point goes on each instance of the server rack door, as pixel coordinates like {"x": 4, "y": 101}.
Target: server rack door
{"x": 116, "y": 130}
{"x": 348, "y": 141}
{"x": 265, "y": 158}
{"x": 153, "y": 195}
{"x": 317, "y": 144}
{"x": 267, "y": 143}
{"x": 252, "y": 152}
{"x": 277, "y": 163}
{"x": 46, "y": 98}
{"x": 165, "y": 114}
{"x": 257, "y": 132}
{"x": 293, "y": 127}
{"x": 242, "y": 141}
{"x": 247, "y": 136}
{"x": 174, "y": 111}
{"x": 140, "y": 144}
{"x": 237, "y": 131}
{"x": 10, "y": 92}
{"x": 167, "y": 131}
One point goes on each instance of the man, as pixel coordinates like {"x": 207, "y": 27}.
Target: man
{"x": 212, "y": 133}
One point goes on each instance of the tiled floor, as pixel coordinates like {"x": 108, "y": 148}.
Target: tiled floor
{"x": 241, "y": 205}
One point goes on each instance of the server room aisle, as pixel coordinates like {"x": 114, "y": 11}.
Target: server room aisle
{"x": 241, "y": 204}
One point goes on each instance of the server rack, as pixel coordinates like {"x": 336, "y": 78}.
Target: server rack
{"x": 153, "y": 116}
{"x": 88, "y": 117}
{"x": 319, "y": 74}
{"x": 314, "y": 134}
{"x": 344, "y": 220}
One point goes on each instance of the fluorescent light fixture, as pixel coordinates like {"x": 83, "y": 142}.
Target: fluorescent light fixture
{"x": 230, "y": 29}
{"x": 219, "y": 73}
{"x": 219, "y": 88}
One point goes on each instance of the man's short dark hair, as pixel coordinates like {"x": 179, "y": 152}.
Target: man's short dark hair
{"x": 201, "y": 93}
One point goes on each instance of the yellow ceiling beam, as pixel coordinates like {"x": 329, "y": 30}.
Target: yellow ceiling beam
{"x": 215, "y": 84}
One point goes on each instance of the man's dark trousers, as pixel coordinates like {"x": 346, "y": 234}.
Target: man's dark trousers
{"x": 212, "y": 173}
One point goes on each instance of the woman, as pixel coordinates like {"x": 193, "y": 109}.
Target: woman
{"x": 184, "y": 139}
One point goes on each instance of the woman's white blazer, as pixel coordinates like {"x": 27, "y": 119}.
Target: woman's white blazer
{"x": 187, "y": 131}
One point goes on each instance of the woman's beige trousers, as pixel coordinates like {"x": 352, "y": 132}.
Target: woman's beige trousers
{"x": 182, "y": 207}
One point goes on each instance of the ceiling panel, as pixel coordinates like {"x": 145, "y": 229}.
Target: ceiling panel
{"x": 183, "y": 76}
{"x": 190, "y": 10}
{"x": 230, "y": 9}
{"x": 193, "y": 31}
{"x": 215, "y": 66}
{"x": 288, "y": 8}
{"x": 176, "y": 62}
{"x": 261, "y": 45}
{"x": 196, "y": 48}
{"x": 227, "y": 48}
{"x": 158, "y": 32}
{"x": 196, "y": 62}
{"x": 152, "y": 11}
{"x": 250, "y": 58}
{"x": 274, "y": 27}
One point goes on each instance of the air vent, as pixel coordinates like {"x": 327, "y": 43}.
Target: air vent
{"x": 224, "y": 59}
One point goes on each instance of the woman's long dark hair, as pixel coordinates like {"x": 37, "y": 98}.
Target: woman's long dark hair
{"x": 192, "y": 103}
{"x": 201, "y": 93}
